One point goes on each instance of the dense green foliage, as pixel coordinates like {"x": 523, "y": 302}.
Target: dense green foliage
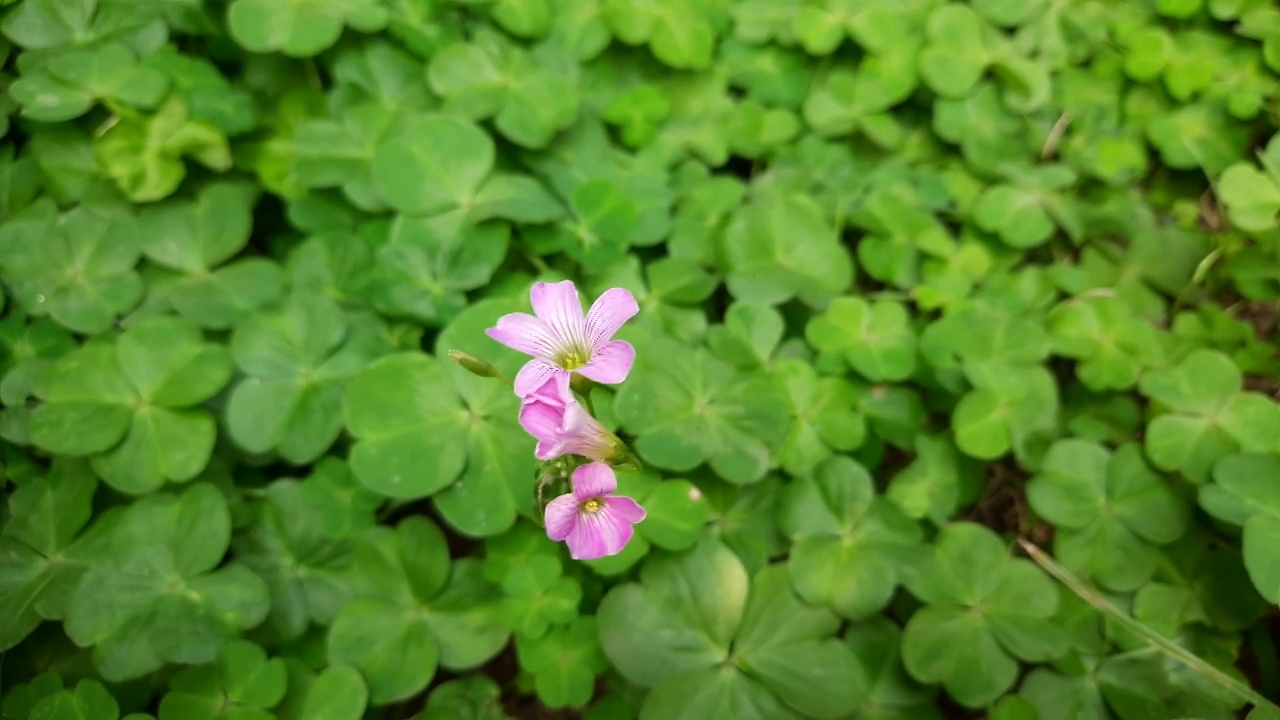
{"x": 918, "y": 279}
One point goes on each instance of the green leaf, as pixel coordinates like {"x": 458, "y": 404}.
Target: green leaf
{"x": 193, "y": 239}
{"x": 530, "y": 95}
{"x": 297, "y": 363}
{"x": 1252, "y": 197}
{"x": 978, "y": 623}
{"x": 418, "y": 610}
{"x": 145, "y": 155}
{"x": 40, "y": 556}
{"x": 410, "y": 444}
{"x": 473, "y": 697}
{"x": 72, "y": 82}
{"x": 89, "y": 701}
{"x": 848, "y": 543}
{"x": 783, "y": 248}
{"x": 876, "y": 339}
{"x": 678, "y": 33}
{"x": 825, "y": 417}
{"x": 434, "y": 164}
{"x": 672, "y": 631}
{"x": 937, "y": 483}
{"x": 1209, "y": 416}
{"x": 1110, "y": 509}
{"x": 304, "y": 567}
{"x": 130, "y": 404}
{"x": 954, "y": 57}
{"x": 339, "y": 693}
{"x": 299, "y": 28}
{"x": 243, "y": 683}
{"x": 1245, "y": 492}
{"x": 161, "y": 596}
{"x": 564, "y": 663}
{"x": 687, "y": 408}
{"x": 77, "y": 267}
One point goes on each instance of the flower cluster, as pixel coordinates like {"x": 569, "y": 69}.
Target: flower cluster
{"x": 570, "y": 349}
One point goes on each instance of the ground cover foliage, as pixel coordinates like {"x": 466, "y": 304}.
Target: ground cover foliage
{"x": 918, "y": 280}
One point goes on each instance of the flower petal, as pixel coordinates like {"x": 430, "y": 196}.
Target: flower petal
{"x": 611, "y": 364}
{"x": 624, "y": 509}
{"x": 593, "y": 480}
{"x": 561, "y": 517}
{"x": 607, "y": 315}
{"x": 558, "y": 305}
{"x": 535, "y": 374}
{"x": 525, "y": 333}
{"x": 542, "y": 420}
{"x": 598, "y": 535}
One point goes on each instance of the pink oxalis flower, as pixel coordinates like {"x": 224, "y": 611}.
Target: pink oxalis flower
{"x": 563, "y": 341}
{"x": 562, "y": 426}
{"x": 591, "y": 520}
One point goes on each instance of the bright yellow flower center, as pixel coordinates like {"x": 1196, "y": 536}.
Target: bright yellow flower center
{"x": 594, "y": 505}
{"x": 573, "y": 359}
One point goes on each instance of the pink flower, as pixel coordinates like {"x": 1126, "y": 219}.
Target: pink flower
{"x": 592, "y": 521}
{"x": 562, "y": 341}
{"x": 562, "y": 426}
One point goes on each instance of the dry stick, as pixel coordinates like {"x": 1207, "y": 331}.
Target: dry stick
{"x": 1161, "y": 642}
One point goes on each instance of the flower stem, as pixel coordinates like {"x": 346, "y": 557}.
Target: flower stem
{"x": 1161, "y": 643}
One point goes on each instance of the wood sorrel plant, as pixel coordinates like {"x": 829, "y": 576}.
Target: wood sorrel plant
{"x": 570, "y": 351}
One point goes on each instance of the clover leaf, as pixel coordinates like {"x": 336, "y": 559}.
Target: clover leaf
{"x": 42, "y": 551}
{"x": 415, "y": 609}
{"x": 427, "y": 428}
{"x": 194, "y": 238}
{"x": 686, "y": 407}
{"x": 1111, "y": 344}
{"x": 130, "y": 404}
{"x": 300, "y": 28}
{"x": 144, "y": 155}
{"x": 877, "y": 643}
{"x": 564, "y": 663}
{"x": 978, "y": 623}
{"x": 27, "y": 348}
{"x": 876, "y": 339}
{"x": 1244, "y": 492}
{"x": 48, "y": 24}
{"x": 77, "y": 267}
{"x": 297, "y": 361}
{"x": 1198, "y": 135}
{"x": 1110, "y": 509}
{"x": 160, "y": 595}
{"x": 824, "y": 417}
{"x": 89, "y": 700}
{"x": 474, "y": 697}
{"x": 529, "y": 95}
{"x": 1026, "y": 212}
{"x": 954, "y": 56}
{"x": 1205, "y": 416}
{"x": 243, "y": 684}
{"x": 727, "y": 645}
{"x": 71, "y": 82}
{"x": 680, "y": 34}
{"x": 783, "y": 247}
{"x": 848, "y": 543}
{"x": 304, "y": 567}
{"x": 1252, "y": 197}
{"x": 336, "y": 502}
{"x": 937, "y": 483}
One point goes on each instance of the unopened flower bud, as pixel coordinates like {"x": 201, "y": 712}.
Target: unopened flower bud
{"x": 475, "y": 365}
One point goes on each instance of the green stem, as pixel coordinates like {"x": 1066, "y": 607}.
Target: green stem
{"x": 1161, "y": 643}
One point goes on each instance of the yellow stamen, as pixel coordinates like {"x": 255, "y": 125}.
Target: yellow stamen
{"x": 594, "y": 505}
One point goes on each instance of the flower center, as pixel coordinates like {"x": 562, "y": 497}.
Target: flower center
{"x": 573, "y": 358}
{"x": 594, "y": 505}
